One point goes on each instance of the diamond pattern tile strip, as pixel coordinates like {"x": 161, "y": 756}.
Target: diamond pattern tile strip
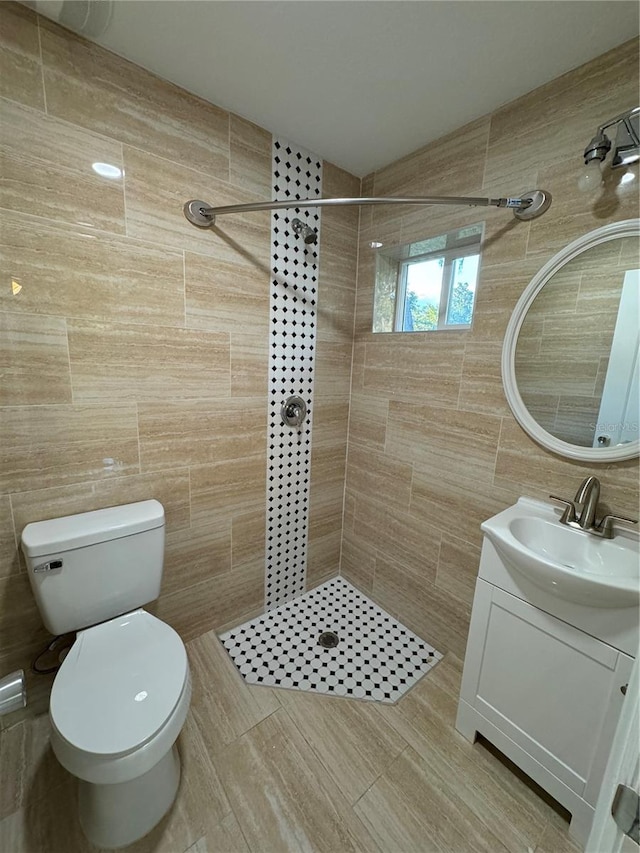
{"x": 294, "y": 272}
{"x": 376, "y": 658}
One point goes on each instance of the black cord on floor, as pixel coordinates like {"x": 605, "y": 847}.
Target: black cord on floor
{"x": 52, "y": 647}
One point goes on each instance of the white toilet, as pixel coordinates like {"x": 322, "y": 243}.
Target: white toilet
{"x": 122, "y": 693}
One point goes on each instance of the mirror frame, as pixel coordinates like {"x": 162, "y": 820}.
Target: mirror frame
{"x": 614, "y": 231}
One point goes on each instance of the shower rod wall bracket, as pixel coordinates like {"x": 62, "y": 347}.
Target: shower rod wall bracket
{"x": 197, "y": 213}
{"x": 529, "y": 205}
{"x": 539, "y": 203}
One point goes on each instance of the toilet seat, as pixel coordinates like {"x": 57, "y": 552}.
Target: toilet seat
{"x": 118, "y": 686}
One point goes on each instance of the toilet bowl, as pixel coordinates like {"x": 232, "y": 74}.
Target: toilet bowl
{"x": 121, "y": 695}
{"x": 117, "y": 706}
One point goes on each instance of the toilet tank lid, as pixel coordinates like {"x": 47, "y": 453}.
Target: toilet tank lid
{"x": 41, "y": 538}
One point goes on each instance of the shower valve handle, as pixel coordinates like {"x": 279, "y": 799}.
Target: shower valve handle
{"x": 293, "y": 412}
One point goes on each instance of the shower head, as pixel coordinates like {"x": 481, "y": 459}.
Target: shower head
{"x": 301, "y": 229}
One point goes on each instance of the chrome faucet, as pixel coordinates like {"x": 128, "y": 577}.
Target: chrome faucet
{"x": 581, "y": 511}
{"x": 587, "y": 498}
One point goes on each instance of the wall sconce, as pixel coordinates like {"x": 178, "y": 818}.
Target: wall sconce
{"x": 626, "y": 149}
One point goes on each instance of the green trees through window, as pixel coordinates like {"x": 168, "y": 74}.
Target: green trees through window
{"x": 429, "y": 285}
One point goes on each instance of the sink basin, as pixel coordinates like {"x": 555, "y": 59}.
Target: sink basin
{"x": 564, "y": 561}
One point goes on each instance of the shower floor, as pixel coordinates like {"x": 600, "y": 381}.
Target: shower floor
{"x": 376, "y": 657}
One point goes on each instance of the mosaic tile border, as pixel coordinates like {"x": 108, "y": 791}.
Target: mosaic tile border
{"x": 294, "y": 274}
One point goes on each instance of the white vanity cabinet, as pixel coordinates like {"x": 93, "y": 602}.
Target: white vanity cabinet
{"x": 546, "y": 693}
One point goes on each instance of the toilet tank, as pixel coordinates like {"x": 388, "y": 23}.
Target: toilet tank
{"x": 93, "y": 566}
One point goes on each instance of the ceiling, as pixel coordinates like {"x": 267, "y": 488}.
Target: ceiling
{"x": 362, "y": 83}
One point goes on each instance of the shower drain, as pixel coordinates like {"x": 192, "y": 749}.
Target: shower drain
{"x": 328, "y": 640}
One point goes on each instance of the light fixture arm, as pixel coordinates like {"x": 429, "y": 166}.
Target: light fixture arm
{"x": 619, "y": 118}
{"x": 600, "y": 145}
{"x": 528, "y": 206}
{"x": 598, "y": 148}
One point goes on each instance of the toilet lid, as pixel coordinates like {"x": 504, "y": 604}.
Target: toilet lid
{"x": 119, "y": 684}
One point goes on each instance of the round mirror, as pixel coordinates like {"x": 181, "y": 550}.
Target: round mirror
{"x": 570, "y": 361}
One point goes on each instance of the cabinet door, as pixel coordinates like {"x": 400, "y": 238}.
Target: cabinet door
{"x": 552, "y": 689}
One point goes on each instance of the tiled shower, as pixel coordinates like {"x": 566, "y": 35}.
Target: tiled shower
{"x": 144, "y": 342}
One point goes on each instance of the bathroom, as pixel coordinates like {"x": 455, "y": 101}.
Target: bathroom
{"x": 136, "y": 359}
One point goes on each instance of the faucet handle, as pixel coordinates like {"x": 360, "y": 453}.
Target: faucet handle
{"x": 569, "y": 514}
{"x": 606, "y": 525}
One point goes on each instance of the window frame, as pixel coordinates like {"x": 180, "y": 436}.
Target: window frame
{"x": 463, "y": 248}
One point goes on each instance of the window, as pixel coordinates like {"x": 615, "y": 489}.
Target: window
{"x": 428, "y": 285}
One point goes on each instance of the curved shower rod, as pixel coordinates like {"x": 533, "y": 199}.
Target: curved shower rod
{"x": 529, "y": 205}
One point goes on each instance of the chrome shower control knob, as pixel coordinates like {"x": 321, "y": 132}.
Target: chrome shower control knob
{"x": 293, "y": 412}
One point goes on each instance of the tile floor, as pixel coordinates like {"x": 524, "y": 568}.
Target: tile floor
{"x": 270, "y": 771}
{"x": 376, "y": 657}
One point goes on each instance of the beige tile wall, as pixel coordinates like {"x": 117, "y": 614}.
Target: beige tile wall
{"x": 334, "y": 344}
{"x": 135, "y": 351}
{"x": 433, "y": 448}
{"x": 134, "y": 354}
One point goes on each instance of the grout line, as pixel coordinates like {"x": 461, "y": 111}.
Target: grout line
{"x": 101, "y": 480}
{"x": 461, "y": 377}
{"x": 495, "y": 461}
{"x": 7, "y": 99}
{"x": 184, "y": 293}
{"x": 72, "y": 228}
{"x": 388, "y": 400}
{"x": 44, "y": 88}
{"x": 486, "y": 153}
{"x": 372, "y": 594}
{"x": 231, "y": 517}
{"x": 526, "y": 248}
{"x": 100, "y": 403}
{"x": 555, "y": 414}
{"x": 221, "y": 780}
{"x": 413, "y": 471}
{"x": 137, "y": 407}
{"x": 66, "y": 338}
{"x": 124, "y": 192}
{"x": 15, "y": 533}
{"x": 353, "y": 348}
{"x": 114, "y": 321}
{"x": 228, "y": 147}
{"x": 237, "y": 819}
{"x": 464, "y": 541}
{"x": 113, "y": 139}
{"x": 53, "y": 118}
{"x": 258, "y": 722}
{"x": 393, "y": 760}
{"x": 437, "y": 561}
{"x": 202, "y": 174}
{"x": 316, "y": 753}
{"x": 189, "y": 490}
